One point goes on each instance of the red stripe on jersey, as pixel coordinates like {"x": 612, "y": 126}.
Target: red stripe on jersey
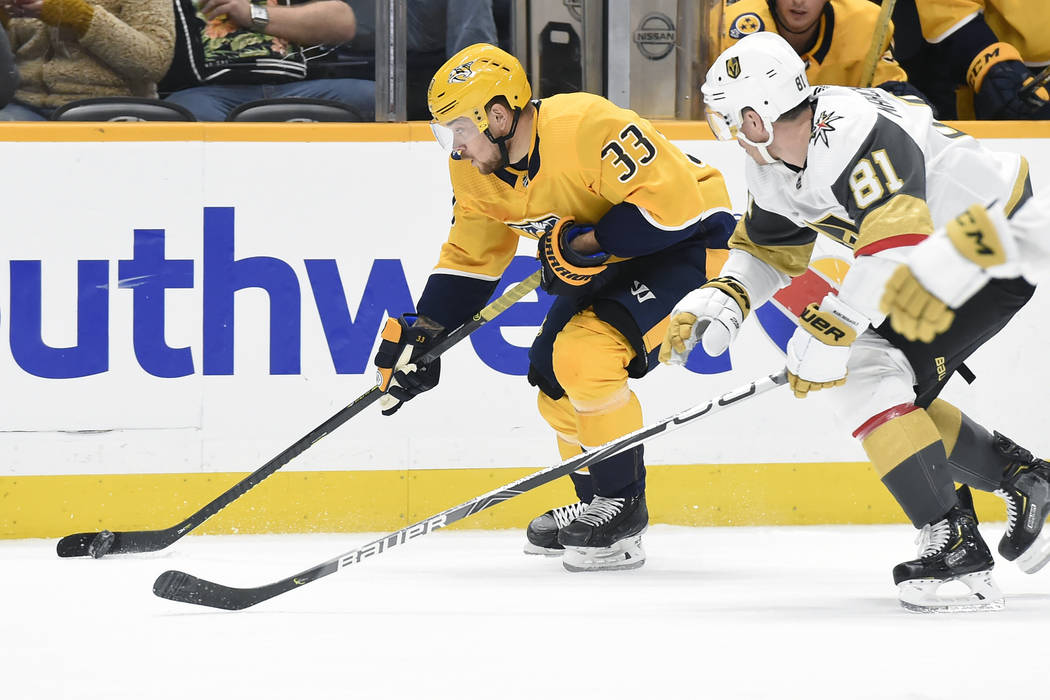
{"x": 901, "y": 241}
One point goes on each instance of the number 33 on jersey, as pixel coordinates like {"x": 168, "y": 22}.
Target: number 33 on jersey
{"x": 587, "y": 155}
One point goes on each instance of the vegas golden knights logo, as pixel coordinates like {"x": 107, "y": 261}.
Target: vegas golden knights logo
{"x": 733, "y": 66}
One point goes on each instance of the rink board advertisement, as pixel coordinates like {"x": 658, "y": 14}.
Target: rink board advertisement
{"x": 182, "y": 302}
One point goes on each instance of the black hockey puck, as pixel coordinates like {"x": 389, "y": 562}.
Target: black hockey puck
{"x": 100, "y": 544}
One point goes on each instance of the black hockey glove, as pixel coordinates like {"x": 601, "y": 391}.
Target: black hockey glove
{"x": 565, "y": 271}
{"x": 1004, "y": 87}
{"x": 398, "y": 372}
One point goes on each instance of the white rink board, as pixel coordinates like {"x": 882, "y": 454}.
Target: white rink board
{"x": 342, "y": 206}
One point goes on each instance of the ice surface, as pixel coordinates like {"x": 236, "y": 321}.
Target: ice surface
{"x": 777, "y": 613}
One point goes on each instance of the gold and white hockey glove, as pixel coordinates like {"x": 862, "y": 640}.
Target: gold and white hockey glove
{"x": 948, "y": 268}
{"x": 819, "y": 349}
{"x": 711, "y": 314}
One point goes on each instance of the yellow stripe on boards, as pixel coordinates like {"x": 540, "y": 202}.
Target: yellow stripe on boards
{"x": 385, "y": 501}
{"x": 698, "y": 130}
{"x": 370, "y": 132}
{"x": 213, "y": 131}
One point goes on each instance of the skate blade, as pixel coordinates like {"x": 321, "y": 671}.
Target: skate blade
{"x": 624, "y": 555}
{"x": 1036, "y": 556}
{"x": 536, "y": 550}
{"x": 921, "y": 595}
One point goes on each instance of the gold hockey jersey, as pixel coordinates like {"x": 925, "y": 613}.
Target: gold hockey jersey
{"x": 843, "y": 38}
{"x": 1024, "y": 24}
{"x": 587, "y": 155}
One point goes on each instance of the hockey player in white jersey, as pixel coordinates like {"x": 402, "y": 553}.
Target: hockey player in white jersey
{"x": 878, "y": 175}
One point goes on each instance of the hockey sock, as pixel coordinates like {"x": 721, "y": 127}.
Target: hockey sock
{"x": 971, "y": 451}
{"x": 906, "y": 450}
{"x": 621, "y": 475}
{"x": 561, "y": 416}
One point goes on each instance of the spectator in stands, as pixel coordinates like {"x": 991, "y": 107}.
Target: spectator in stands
{"x": 503, "y": 12}
{"x": 8, "y": 71}
{"x": 832, "y": 38}
{"x": 447, "y": 26}
{"x": 432, "y": 26}
{"x": 977, "y": 58}
{"x": 68, "y": 50}
{"x": 230, "y": 52}
{"x": 435, "y": 30}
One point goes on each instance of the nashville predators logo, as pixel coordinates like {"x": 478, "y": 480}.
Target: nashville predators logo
{"x": 747, "y": 23}
{"x": 461, "y": 73}
{"x": 534, "y": 228}
{"x": 733, "y": 66}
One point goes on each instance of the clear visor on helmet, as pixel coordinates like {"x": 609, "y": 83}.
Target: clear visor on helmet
{"x": 455, "y": 134}
{"x": 720, "y": 125}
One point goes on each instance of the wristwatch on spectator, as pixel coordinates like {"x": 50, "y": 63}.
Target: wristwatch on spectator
{"x": 260, "y": 17}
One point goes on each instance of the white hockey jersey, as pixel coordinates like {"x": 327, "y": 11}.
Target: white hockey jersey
{"x": 881, "y": 174}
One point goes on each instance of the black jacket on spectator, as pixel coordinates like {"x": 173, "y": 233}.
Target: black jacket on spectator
{"x": 222, "y": 53}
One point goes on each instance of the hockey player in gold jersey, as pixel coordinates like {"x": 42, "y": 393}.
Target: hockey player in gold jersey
{"x": 831, "y": 37}
{"x": 877, "y": 175}
{"x": 978, "y": 58}
{"x": 623, "y": 220}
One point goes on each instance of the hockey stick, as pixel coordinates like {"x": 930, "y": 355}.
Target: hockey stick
{"x": 882, "y": 28}
{"x": 186, "y": 588}
{"x": 97, "y": 544}
{"x": 1040, "y": 81}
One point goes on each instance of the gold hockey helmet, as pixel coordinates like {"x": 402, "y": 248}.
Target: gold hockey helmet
{"x": 470, "y": 80}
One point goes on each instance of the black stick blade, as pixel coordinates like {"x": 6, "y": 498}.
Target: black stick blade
{"x": 94, "y": 544}
{"x": 99, "y": 544}
{"x": 102, "y": 543}
{"x": 76, "y": 545}
{"x": 186, "y": 588}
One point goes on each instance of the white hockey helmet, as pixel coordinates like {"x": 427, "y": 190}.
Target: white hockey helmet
{"x": 761, "y": 71}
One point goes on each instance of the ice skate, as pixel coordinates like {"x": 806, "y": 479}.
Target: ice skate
{"x": 1026, "y": 490}
{"x": 606, "y": 536}
{"x": 542, "y": 533}
{"x": 950, "y": 549}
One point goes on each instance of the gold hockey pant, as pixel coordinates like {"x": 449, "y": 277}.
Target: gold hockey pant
{"x": 590, "y": 363}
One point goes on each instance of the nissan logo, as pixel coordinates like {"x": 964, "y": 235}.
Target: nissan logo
{"x": 655, "y": 36}
{"x": 575, "y": 8}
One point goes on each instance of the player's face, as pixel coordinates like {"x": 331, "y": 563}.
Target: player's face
{"x": 461, "y": 137}
{"x": 483, "y": 155}
{"x": 799, "y": 15}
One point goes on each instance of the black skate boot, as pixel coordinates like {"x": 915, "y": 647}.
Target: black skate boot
{"x": 950, "y": 549}
{"x": 1026, "y": 490}
{"x": 606, "y": 536}
{"x": 542, "y": 533}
